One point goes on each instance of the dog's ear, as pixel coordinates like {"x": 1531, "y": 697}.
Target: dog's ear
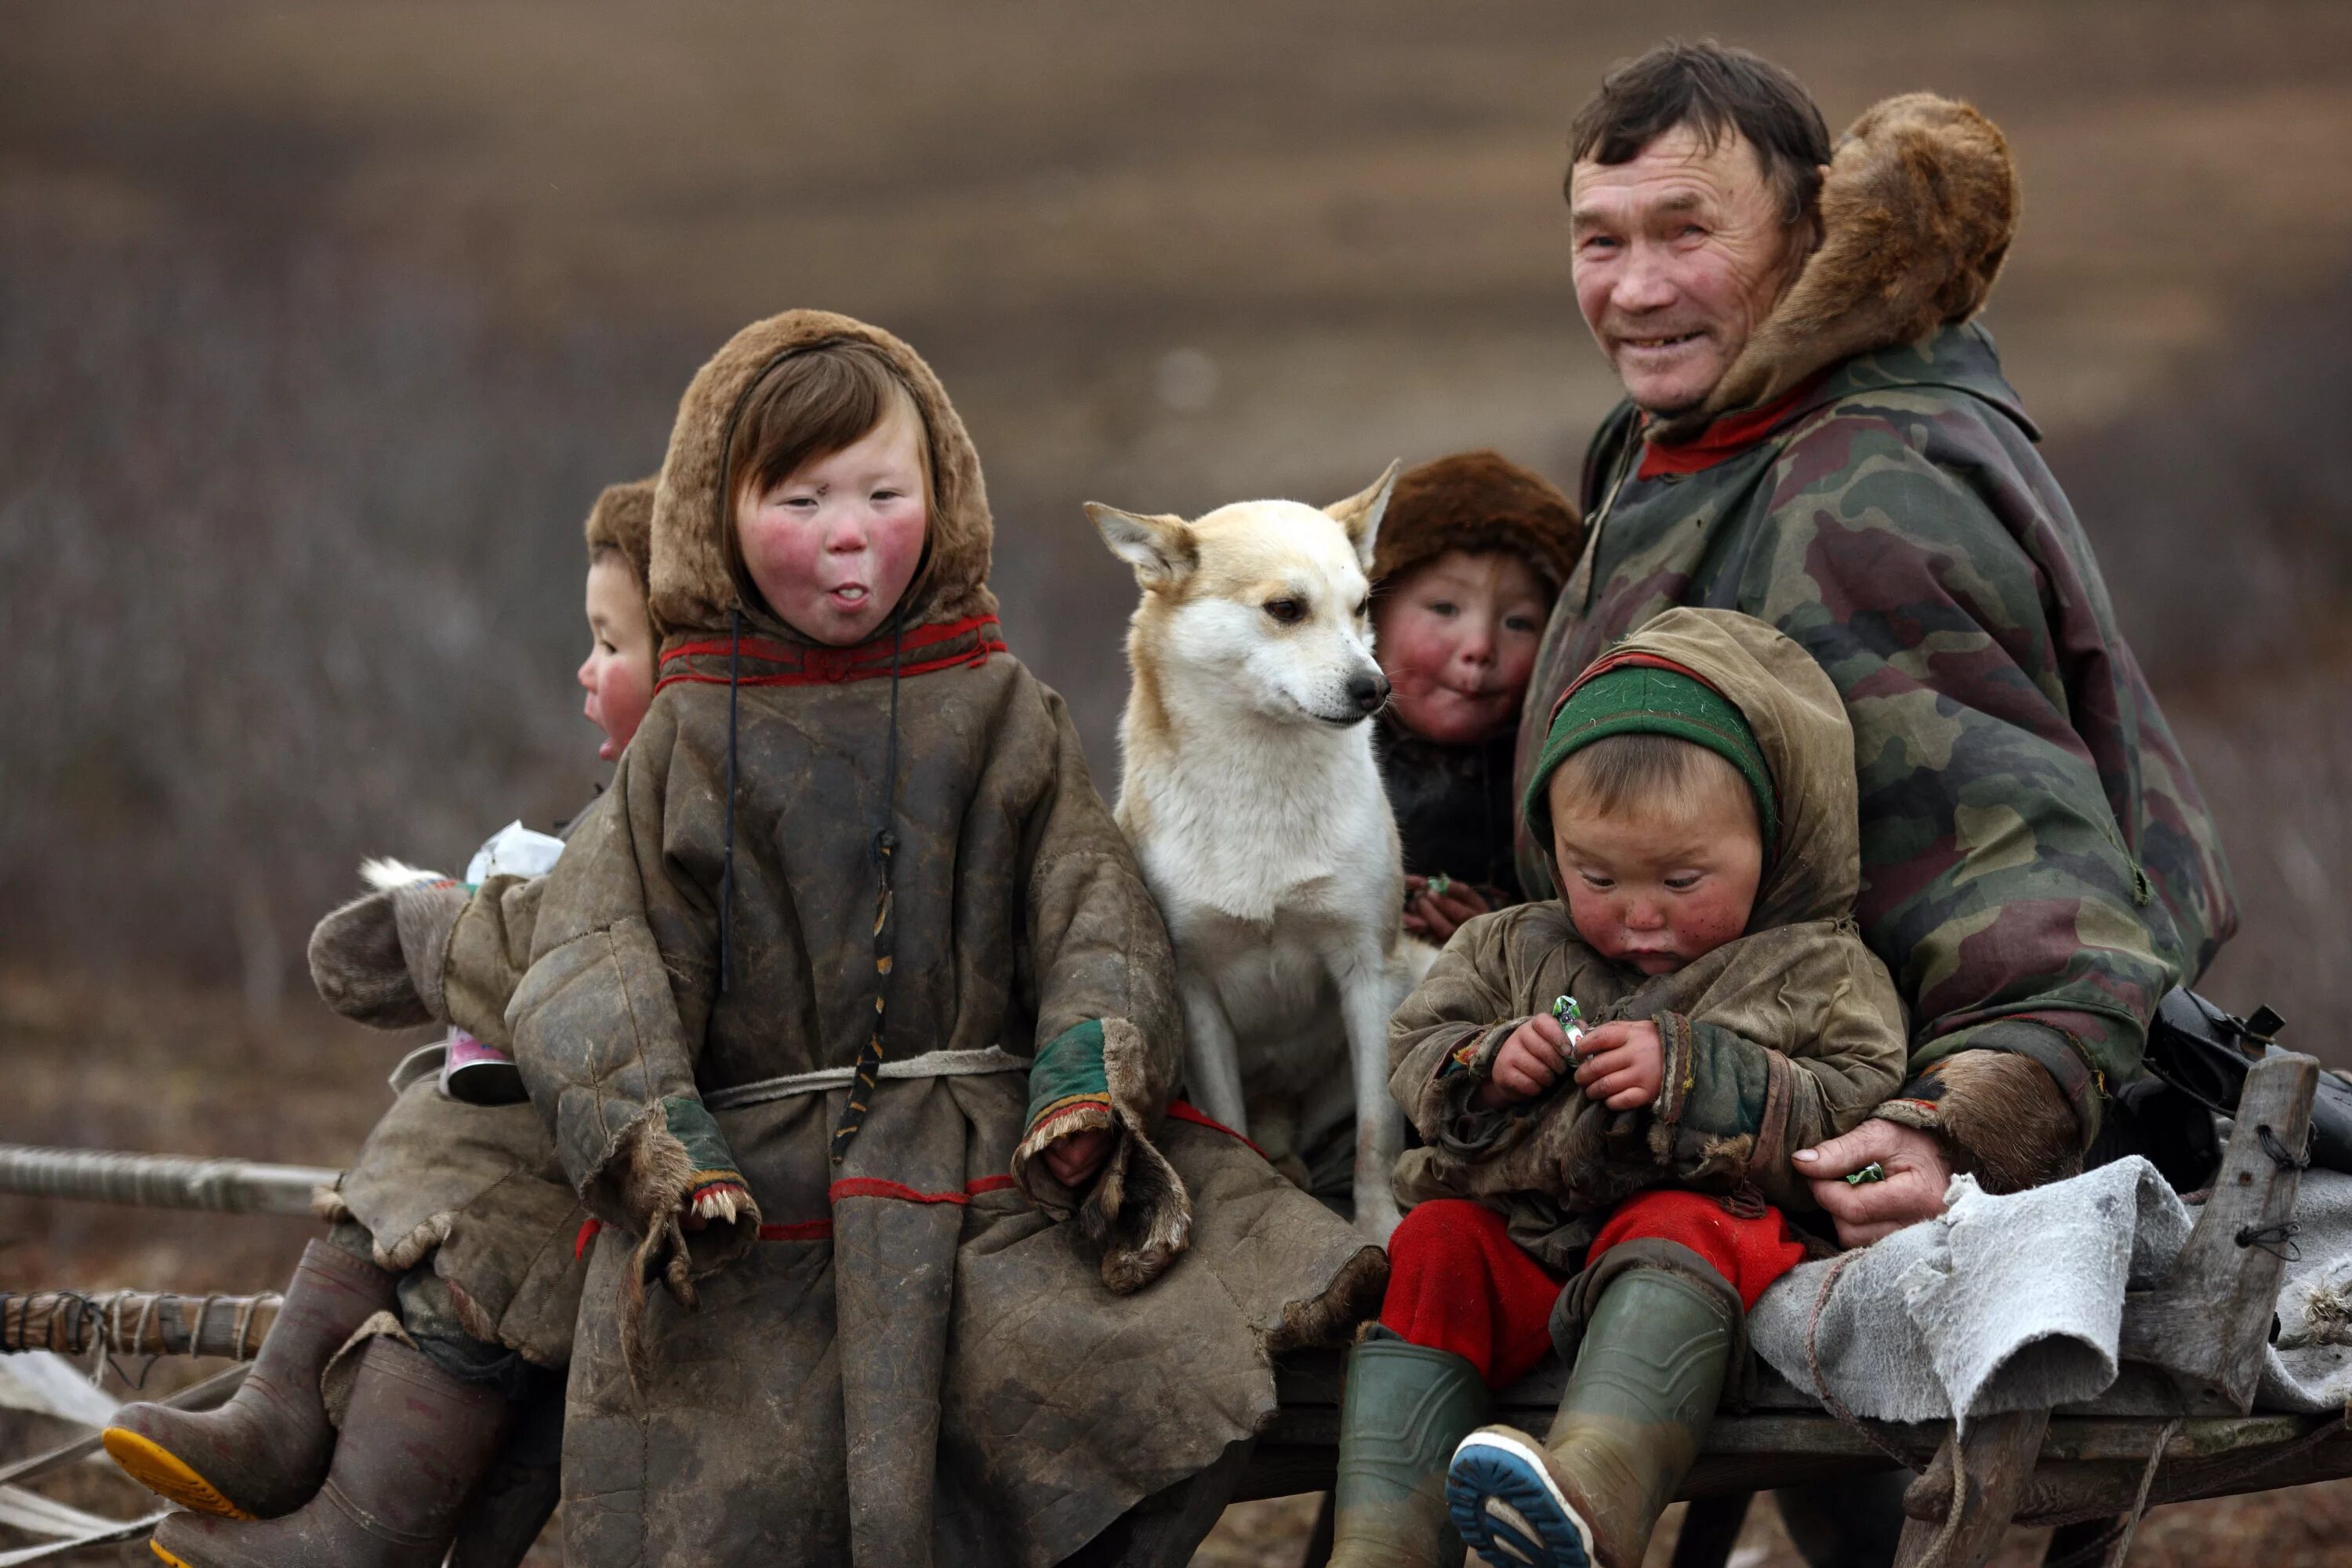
{"x": 1360, "y": 514}
{"x": 1160, "y": 549}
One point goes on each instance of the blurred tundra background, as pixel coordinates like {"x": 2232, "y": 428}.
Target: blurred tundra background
{"x": 320, "y": 327}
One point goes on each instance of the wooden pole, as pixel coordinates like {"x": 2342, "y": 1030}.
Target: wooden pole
{"x": 135, "y": 1322}
{"x": 161, "y": 1181}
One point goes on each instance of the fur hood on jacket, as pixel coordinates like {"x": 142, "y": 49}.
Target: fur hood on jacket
{"x": 1800, "y": 726}
{"x": 696, "y": 582}
{"x": 1477, "y": 501}
{"x": 1916, "y": 214}
{"x": 622, "y": 521}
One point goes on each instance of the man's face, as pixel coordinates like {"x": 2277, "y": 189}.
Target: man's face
{"x": 1680, "y": 254}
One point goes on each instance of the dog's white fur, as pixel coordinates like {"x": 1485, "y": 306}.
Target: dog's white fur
{"x": 1254, "y": 804}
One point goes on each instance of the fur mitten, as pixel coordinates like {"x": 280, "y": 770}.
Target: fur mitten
{"x": 379, "y": 960}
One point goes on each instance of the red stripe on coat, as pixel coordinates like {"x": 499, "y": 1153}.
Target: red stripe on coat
{"x": 1184, "y": 1110}
{"x": 820, "y": 665}
{"x": 875, "y": 1187}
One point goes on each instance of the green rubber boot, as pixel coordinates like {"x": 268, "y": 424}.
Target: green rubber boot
{"x": 1656, "y": 1348}
{"x": 1404, "y": 1410}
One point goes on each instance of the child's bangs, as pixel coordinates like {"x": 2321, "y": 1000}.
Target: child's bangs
{"x": 1641, "y": 774}
{"x": 811, "y": 405}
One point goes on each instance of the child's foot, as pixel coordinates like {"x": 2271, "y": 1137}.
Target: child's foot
{"x": 1511, "y": 1508}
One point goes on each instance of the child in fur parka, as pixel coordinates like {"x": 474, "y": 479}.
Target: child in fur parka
{"x": 1472, "y": 552}
{"x": 1610, "y": 1087}
{"x": 440, "y": 1307}
{"x": 856, "y": 1028}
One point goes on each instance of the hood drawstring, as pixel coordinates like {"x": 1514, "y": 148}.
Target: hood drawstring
{"x": 886, "y": 933}
{"x": 726, "y": 863}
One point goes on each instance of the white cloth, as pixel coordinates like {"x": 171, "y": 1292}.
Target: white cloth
{"x": 2014, "y": 1303}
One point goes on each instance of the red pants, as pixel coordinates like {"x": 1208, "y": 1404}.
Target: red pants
{"x": 1457, "y": 1282}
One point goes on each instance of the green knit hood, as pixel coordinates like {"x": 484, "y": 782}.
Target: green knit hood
{"x": 1730, "y": 683}
{"x": 1637, "y": 694}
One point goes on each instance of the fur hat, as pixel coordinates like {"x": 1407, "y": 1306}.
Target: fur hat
{"x": 622, "y": 520}
{"x": 1474, "y": 501}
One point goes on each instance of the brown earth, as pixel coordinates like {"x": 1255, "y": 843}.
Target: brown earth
{"x": 320, "y": 327}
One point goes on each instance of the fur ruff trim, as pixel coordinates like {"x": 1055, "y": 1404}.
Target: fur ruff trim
{"x": 2002, "y": 1119}
{"x": 655, "y": 1176}
{"x": 327, "y": 1204}
{"x": 622, "y": 521}
{"x": 1477, "y": 501}
{"x": 406, "y": 1252}
{"x": 1333, "y": 1319}
{"x": 693, "y": 582}
{"x": 1916, "y": 214}
{"x": 381, "y": 871}
{"x": 1138, "y": 1212}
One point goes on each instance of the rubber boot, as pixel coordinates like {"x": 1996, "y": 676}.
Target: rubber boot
{"x": 264, "y": 1451}
{"x": 1404, "y": 1409}
{"x": 1651, "y": 1367}
{"x": 519, "y": 1496}
{"x": 415, "y": 1443}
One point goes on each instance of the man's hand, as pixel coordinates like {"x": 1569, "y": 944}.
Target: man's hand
{"x": 1916, "y": 1174}
{"x": 1074, "y": 1158}
{"x": 1622, "y": 1065}
{"x": 1530, "y": 1062}
{"x": 1435, "y": 916}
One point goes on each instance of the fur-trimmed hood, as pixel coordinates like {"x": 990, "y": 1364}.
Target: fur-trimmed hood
{"x": 622, "y": 520}
{"x": 695, "y": 585}
{"x": 1794, "y": 709}
{"x": 1916, "y": 214}
{"x": 1476, "y": 501}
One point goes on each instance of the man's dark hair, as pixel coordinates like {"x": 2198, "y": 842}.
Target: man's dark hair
{"x": 1715, "y": 90}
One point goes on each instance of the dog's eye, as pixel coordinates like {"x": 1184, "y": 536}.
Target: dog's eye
{"x": 1288, "y": 612}
{"x": 1362, "y": 605}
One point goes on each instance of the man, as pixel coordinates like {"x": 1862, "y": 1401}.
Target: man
{"x": 1814, "y": 435}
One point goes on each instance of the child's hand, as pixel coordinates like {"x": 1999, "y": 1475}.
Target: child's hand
{"x": 1075, "y": 1157}
{"x": 1622, "y": 1065}
{"x": 1434, "y": 907}
{"x": 1531, "y": 1062}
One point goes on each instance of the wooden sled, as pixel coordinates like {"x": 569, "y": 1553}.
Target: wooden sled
{"x": 2177, "y": 1425}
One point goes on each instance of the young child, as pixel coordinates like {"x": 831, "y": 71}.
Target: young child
{"x": 454, "y": 1235}
{"x": 1617, "y": 1183}
{"x": 1472, "y": 553}
{"x": 847, "y": 1000}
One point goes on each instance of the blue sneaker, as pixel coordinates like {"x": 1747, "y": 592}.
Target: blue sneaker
{"x": 1509, "y": 1507}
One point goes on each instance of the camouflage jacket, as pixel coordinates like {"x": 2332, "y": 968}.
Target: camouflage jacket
{"x": 2037, "y": 866}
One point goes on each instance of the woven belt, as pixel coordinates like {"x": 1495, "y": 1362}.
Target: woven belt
{"x": 930, "y": 1064}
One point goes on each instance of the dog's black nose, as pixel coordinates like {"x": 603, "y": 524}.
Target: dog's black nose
{"x": 1368, "y": 692}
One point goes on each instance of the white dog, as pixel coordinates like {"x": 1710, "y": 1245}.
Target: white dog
{"x": 1253, "y": 803}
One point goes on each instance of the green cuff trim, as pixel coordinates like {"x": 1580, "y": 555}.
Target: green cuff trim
{"x": 689, "y": 1122}
{"x": 1068, "y": 1068}
{"x": 1730, "y": 1078}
